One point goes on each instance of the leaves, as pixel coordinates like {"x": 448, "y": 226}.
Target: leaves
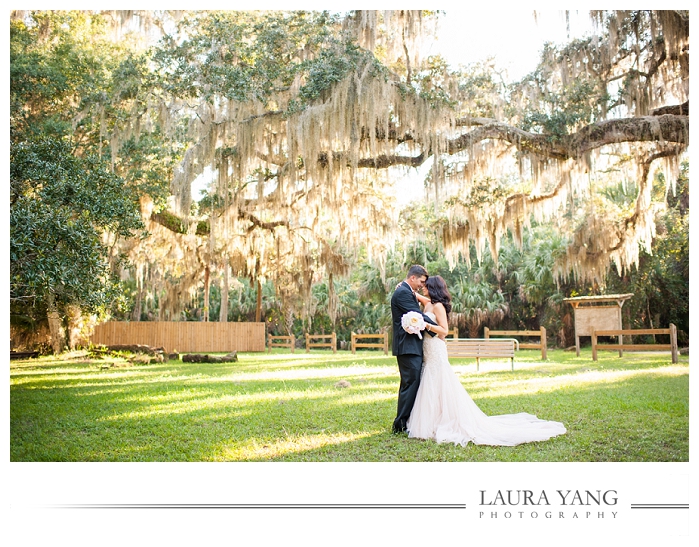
{"x": 61, "y": 208}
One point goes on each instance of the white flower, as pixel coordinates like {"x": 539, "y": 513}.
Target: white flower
{"x": 413, "y": 322}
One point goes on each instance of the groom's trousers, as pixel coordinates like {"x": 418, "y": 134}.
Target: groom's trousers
{"x": 410, "y": 367}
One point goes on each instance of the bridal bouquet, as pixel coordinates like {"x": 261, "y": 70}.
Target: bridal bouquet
{"x": 412, "y": 323}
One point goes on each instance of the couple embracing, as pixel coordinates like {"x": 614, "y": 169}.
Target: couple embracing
{"x": 432, "y": 403}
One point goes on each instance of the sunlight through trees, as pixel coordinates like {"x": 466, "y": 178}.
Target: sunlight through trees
{"x": 306, "y": 124}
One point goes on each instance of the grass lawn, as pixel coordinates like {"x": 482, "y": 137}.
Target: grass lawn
{"x": 326, "y": 407}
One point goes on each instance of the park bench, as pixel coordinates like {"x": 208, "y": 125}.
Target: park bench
{"x": 480, "y": 348}
{"x": 380, "y": 341}
{"x": 326, "y": 341}
{"x": 281, "y": 342}
{"x": 540, "y": 334}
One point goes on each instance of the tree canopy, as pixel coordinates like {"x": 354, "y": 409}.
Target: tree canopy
{"x": 306, "y": 122}
{"x": 67, "y": 206}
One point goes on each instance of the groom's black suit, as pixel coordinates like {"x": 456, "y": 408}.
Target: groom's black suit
{"x": 408, "y": 351}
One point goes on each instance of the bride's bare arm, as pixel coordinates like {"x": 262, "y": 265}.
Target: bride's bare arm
{"x": 441, "y": 315}
{"x": 422, "y": 299}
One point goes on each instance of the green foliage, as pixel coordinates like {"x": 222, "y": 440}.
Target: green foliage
{"x": 326, "y": 69}
{"x": 563, "y": 112}
{"x": 69, "y": 84}
{"x": 431, "y": 83}
{"x": 484, "y": 192}
{"x": 147, "y": 163}
{"x": 60, "y": 63}
{"x": 68, "y": 80}
{"x": 60, "y": 207}
{"x": 171, "y": 222}
{"x": 479, "y": 90}
{"x": 568, "y": 90}
{"x": 661, "y": 283}
{"x": 249, "y": 56}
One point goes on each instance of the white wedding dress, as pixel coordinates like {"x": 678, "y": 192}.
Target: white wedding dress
{"x": 444, "y": 411}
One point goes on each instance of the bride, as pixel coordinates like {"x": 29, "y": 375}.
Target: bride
{"x": 444, "y": 411}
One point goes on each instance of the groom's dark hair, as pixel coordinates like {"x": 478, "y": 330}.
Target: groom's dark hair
{"x": 417, "y": 271}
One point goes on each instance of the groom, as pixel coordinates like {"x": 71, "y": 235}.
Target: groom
{"x": 407, "y": 347}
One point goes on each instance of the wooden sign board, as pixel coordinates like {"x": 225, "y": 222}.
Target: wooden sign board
{"x": 596, "y": 313}
{"x": 590, "y": 319}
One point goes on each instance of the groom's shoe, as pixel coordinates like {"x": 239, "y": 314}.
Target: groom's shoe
{"x": 399, "y": 428}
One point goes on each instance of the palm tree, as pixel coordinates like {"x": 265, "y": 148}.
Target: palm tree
{"x": 537, "y": 274}
{"x": 475, "y": 305}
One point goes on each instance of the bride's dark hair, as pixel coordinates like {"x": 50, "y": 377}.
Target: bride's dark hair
{"x": 438, "y": 291}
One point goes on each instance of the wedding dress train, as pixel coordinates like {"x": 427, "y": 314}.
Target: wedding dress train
{"x": 445, "y": 412}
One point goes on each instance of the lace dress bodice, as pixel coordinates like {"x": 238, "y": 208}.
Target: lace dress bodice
{"x": 434, "y": 349}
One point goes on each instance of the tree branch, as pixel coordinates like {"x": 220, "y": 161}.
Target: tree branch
{"x": 382, "y": 162}
{"x": 676, "y": 109}
{"x": 668, "y": 128}
{"x": 665, "y": 125}
{"x": 523, "y": 140}
{"x": 257, "y": 223}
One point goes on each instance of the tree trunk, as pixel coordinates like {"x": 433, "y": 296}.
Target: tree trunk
{"x": 137, "y": 309}
{"x": 223, "y": 313}
{"x": 258, "y": 308}
{"x": 332, "y": 301}
{"x": 207, "y": 286}
{"x": 473, "y": 328}
{"x": 55, "y": 326}
{"x": 74, "y": 322}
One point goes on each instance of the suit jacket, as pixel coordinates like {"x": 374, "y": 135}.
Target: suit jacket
{"x": 403, "y": 301}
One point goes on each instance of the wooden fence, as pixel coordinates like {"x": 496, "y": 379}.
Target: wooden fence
{"x": 382, "y": 344}
{"x": 183, "y": 336}
{"x": 541, "y": 334}
{"x": 620, "y": 333}
{"x": 321, "y": 341}
{"x": 288, "y": 342}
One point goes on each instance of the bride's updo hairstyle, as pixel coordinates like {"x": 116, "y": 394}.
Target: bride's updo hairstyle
{"x": 438, "y": 291}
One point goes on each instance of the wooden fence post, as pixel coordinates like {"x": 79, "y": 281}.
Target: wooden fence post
{"x": 673, "y": 342}
{"x": 621, "y": 343}
{"x": 332, "y": 344}
{"x": 594, "y": 345}
{"x": 354, "y": 349}
{"x": 544, "y": 343}
{"x": 486, "y": 332}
